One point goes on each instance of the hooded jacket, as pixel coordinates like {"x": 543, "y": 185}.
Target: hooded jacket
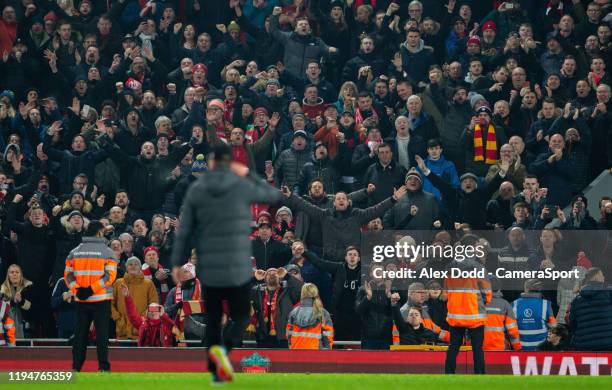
{"x": 590, "y": 318}
{"x": 221, "y": 233}
{"x": 142, "y": 293}
{"x": 305, "y": 331}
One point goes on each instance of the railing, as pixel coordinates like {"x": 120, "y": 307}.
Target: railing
{"x": 132, "y": 343}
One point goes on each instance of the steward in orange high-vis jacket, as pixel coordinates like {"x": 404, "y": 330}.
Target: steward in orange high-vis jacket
{"x": 501, "y": 329}
{"x": 90, "y": 272}
{"x": 309, "y": 325}
{"x": 467, "y": 299}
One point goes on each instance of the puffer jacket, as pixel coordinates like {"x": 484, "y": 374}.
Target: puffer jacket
{"x": 142, "y": 293}
{"x": 305, "y": 331}
{"x": 289, "y": 165}
{"x": 399, "y": 216}
{"x": 298, "y": 50}
{"x": 326, "y": 169}
{"x": 221, "y": 233}
{"x": 590, "y": 318}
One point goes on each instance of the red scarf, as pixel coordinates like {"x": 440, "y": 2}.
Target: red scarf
{"x": 178, "y": 297}
{"x": 269, "y": 311}
{"x": 228, "y": 111}
{"x": 359, "y": 118}
{"x": 491, "y": 148}
{"x": 240, "y": 155}
{"x": 149, "y": 274}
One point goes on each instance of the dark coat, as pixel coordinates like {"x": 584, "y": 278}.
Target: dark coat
{"x": 468, "y": 207}
{"x": 288, "y": 297}
{"x": 273, "y": 254}
{"x": 556, "y": 177}
{"x": 590, "y": 318}
{"x": 338, "y": 273}
{"x": 376, "y": 315}
{"x": 147, "y": 179}
{"x": 73, "y": 163}
{"x": 340, "y": 228}
{"x": 385, "y": 180}
{"x": 409, "y": 335}
{"x": 298, "y": 50}
{"x": 221, "y": 233}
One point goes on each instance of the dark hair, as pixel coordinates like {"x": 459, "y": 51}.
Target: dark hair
{"x": 548, "y": 100}
{"x": 413, "y": 30}
{"x": 316, "y": 180}
{"x": 222, "y": 152}
{"x": 531, "y": 176}
{"x": 352, "y": 248}
{"x": 94, "y": 228}
{"x": 432, "y": 143}
{"x": 520, "y": 204}
{"x": 364, "y": 94}
{"x": 385, "y": 145}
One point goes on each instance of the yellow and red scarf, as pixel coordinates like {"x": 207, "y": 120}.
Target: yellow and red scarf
{"x": 490, "y": 152}
{"x": 269, "y": 313}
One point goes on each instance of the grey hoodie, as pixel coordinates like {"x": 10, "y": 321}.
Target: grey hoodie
{"x": 216, "y": 220}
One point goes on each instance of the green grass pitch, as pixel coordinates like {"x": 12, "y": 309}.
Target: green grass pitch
{"x": 178, "y": 381}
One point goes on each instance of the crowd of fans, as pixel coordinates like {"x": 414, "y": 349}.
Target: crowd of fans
{"x": 368, "y": 115}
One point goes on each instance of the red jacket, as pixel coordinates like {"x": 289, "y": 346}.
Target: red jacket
{"x": 151, "y": 333}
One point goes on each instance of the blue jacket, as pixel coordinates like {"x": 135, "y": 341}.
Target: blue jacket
{"x": 590, "y": 318}
{"x": 443, "y": 168}
{"x": 534, "y": 316}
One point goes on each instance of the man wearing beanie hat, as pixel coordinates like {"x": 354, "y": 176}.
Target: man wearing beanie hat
{"x": 466, "y": 204}
{"x": 142, "y": 291}
{"x": 417, "y": 210}
{"x": 489, "y": 44}
{"x": 534, "y": 315}
{"x": 291, "y": 161}
{"x": 187, "y": 292}
{"x": 322, "y": 167}
{"x": 482, "y": 139}
{"x": 198, "y": 167}
{"x": 90, "y": 272}
{"x": 221, "y": 236}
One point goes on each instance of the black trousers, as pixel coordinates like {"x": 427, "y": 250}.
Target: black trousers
{"x": 99, "y": 313}
{"x": 239, "y": 308}
{"x": 456, "y": 339}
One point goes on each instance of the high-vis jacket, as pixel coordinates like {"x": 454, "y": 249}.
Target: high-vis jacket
{"x": 306, "y": 332}
{"x": 428, "y": 323}
{"x": 534, "y": 316}
{"x": 91, "y": 264}
{"x": 7, "y": 326}
{"x": 467, "y": 297}
{"x": 500, "y": 328}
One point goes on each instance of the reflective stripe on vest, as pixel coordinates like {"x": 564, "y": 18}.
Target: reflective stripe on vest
{"x": 494, "y": 328}
{"x": 89, "y": 273}
{"x": 306, "y": 334}
{"x": 466, "y": 316}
